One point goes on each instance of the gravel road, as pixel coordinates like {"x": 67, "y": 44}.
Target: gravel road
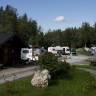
{"x": 78, "y": 60}
{"x": 16, "y": 73}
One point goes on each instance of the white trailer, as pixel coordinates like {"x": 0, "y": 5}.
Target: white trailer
{"x": 59, "y": 50}
{"x": 31, "y": 54}
{"x": 27, "y": 55}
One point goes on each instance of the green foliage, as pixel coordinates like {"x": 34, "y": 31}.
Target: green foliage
{"x": 73, "y": 37}
{"x": 56, "y": 69}
{"x": 31, "y": 33}
{"x": 8, "y": 19}
{"x": 26, "y": 28}
{"x": 48, "y": 61}
{"x": 61, "y": 70}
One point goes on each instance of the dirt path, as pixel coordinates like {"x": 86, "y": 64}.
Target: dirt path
{"x": 16, "y": 73}
{"x": 78, "y": 60}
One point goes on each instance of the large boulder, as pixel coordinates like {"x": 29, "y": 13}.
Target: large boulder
{"x": 41, "y": 78}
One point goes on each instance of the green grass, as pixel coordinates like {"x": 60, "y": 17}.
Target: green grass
{"x": 59, "y": 87}
{"x": 86, "y": 66}
{"x": 84, "y": 53}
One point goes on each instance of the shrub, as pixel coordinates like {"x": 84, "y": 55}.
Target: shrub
{"x": 47, "y": 61}
{"x": 62, "y": 69}
{"x": 56, "y": 69}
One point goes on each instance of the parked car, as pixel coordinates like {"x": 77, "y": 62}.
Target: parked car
{"x": 73, "y": 51}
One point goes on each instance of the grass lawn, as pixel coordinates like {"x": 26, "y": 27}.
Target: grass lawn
{"x": 84, "y": 53}
{"x": 86, "y": 66}
{"x": 59, "y": 87}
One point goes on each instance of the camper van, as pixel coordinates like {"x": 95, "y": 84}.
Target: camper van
{"x": 55, "y": 50}
{"x": 26, "y": 54}
{"x": 31, "y": 54}
{"x": 59, "y": 50}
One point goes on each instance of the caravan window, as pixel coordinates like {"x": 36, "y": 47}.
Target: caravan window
{"x": 68, "y": 49}
{"x": 25, "y": 51}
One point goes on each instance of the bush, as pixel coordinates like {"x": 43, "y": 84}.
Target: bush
{"x": 56, "y": 69}
{"x": 47, "y": 61}
{"x": 62, "y": 69}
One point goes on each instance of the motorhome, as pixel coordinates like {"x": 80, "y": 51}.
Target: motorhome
{"x": 31, "y": 54}
{"x": 27, "y": 55}
{"x": 59, "y": 50}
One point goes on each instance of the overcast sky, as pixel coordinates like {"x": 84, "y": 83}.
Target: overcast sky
{"x": 56, "y": 14}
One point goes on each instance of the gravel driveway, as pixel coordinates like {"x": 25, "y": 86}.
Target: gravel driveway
{"x": 78, "y": 60}
{"x": 16, "y": 73}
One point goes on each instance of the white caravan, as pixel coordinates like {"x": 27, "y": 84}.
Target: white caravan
{"x": 55, "y": 50}
{"x": 26, "y": 54}
{"x": 31, "y": 54}
{"x": 59, "y": 50}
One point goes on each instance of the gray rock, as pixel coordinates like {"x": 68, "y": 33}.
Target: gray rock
{"x": 41, "y": 78}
